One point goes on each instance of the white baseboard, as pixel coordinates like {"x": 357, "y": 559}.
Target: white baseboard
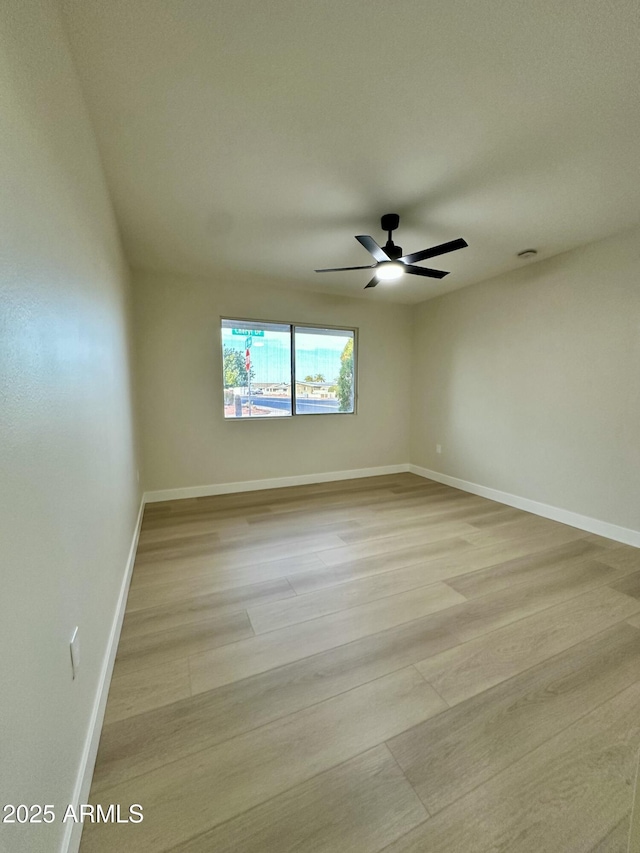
{"x": 584, "y": 522}
{"x": 73, "y": 831}
{"x": 625, "y": 535}
{"x": 273, "y": 483}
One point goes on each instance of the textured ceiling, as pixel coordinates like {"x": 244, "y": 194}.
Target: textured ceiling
{"x": 261, "y": 136}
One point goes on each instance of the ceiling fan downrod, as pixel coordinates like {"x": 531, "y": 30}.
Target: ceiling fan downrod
{"x": 389, "y": 222}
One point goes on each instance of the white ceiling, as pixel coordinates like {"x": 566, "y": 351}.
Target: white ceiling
{"x": 262, "y": 135}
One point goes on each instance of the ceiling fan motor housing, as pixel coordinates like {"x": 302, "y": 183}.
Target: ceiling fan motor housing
{"x": 392, "y": 250}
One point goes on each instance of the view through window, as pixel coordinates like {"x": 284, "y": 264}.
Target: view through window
{"x": 260, "y": 360}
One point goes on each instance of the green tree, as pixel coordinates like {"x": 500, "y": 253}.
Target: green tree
{"x": 345, "y": 378}
{"x": 317, "y": 378}
{"x": 235, "y": 372}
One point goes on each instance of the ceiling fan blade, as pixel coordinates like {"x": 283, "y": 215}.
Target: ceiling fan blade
{"x": 442, "y": 249}
{"x": 342, "y": 269}
{"x": 425, "y": 271}
{"x": 372, "y": 283}
{"x": 371, "y": 246}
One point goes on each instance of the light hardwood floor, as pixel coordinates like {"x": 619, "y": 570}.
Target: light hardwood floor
{"x": 378, "y": 664}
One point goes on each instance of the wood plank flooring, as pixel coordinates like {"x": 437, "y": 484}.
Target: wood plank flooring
{"x": 378, "y": 664}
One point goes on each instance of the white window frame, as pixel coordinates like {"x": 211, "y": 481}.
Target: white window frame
{"x": 292, "y": 328}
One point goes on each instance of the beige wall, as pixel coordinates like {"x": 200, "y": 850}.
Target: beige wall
{"x": 531, "y": 382}
{"x": 634, "y": 831}
{"x": 186, "y": 441}
{"x": 68, "y": 492}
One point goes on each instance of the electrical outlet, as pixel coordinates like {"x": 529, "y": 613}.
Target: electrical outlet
{"x": 74, "y": 647}
{"x": 438, "y": 448}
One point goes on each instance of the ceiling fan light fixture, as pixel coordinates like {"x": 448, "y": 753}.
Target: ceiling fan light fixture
{"x": 389, "y": 271}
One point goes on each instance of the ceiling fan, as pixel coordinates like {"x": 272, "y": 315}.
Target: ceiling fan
{"x": 390, "y": 263}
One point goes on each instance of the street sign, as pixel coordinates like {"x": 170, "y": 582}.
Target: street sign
{"x": 249, "y": 333}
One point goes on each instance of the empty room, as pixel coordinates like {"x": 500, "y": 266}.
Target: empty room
{"x": 320, "y": 426}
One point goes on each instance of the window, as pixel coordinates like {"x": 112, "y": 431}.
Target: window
{"x": 260, "y": 359}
